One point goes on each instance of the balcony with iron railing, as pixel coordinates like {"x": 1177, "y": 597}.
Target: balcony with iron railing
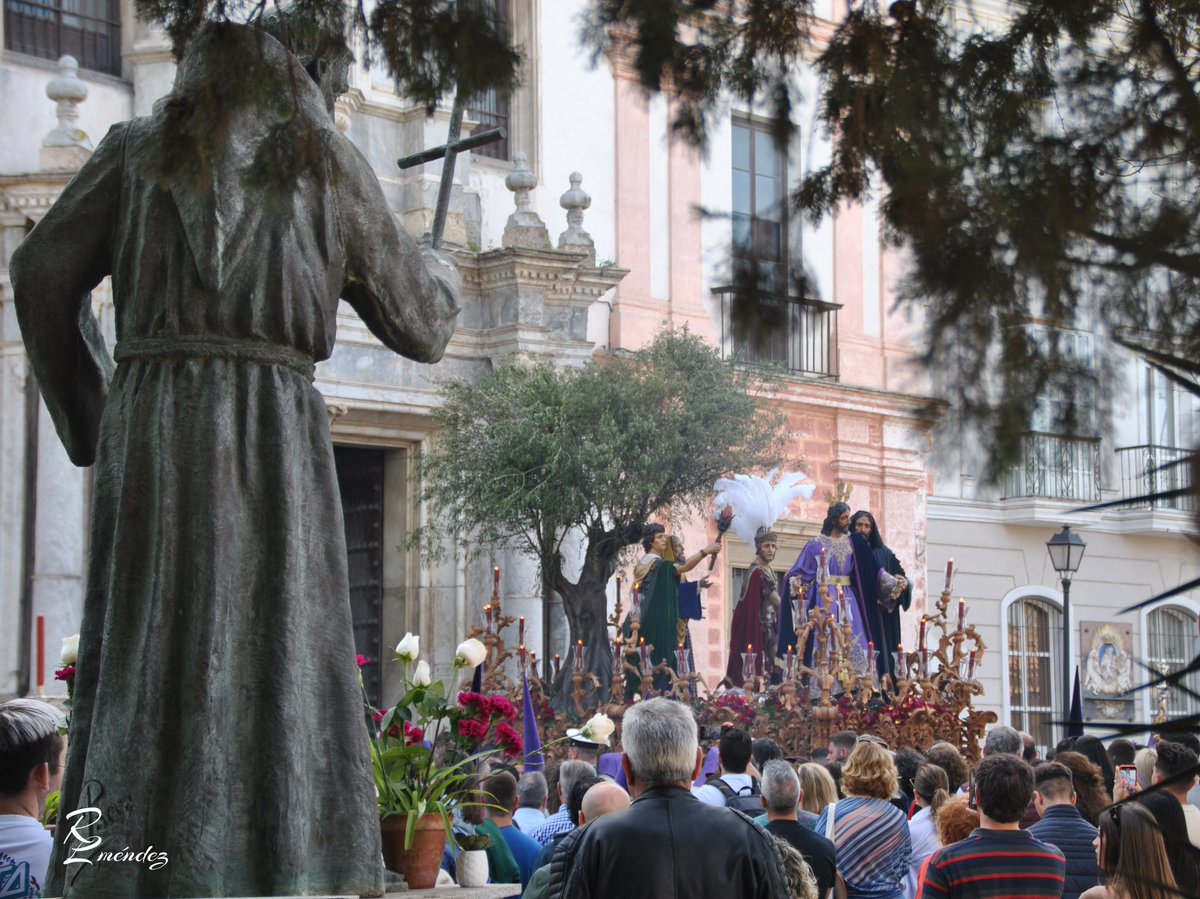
{"x": 1055, "y": 466}
{"x": 1150, "y": 469}
{"x": 804, "y": 341}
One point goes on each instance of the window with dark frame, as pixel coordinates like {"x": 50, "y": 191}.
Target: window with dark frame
{"x": 1034, "y": 626}
{"x": 1172, "y": 642}
{"x": 760, "y": 203}
{"x": 491, "y": 108}
{"x": 89, "y": 30}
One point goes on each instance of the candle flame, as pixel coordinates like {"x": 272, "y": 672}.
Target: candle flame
{"x": 643, "y": 641}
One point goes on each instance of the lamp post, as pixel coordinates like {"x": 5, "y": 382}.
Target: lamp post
{"x": 1066, "y": 552}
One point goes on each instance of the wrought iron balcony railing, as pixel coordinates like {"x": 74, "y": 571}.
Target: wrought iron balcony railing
{"x": 1156, "y": 469}
{"x": 1055, "y": 466}
{"x": 805, "y": 342}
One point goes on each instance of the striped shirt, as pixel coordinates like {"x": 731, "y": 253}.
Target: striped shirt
{"x": 995, "y": 864}
{"x": 874, "y": 849}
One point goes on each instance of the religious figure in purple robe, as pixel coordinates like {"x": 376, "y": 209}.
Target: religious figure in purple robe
{"x": 844, "y": 561}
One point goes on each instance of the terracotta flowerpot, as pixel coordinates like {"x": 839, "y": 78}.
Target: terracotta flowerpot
{"x": 472, "y": 868}
{"x": 419, "y": 865}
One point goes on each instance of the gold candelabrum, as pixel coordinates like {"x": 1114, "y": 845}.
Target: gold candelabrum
{"x": 826, "y": 683}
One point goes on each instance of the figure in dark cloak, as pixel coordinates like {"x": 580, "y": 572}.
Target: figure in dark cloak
{"x": 217, "y": 714}
{"x": 863, "y": 523}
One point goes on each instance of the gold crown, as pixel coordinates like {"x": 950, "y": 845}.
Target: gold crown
{"x": 841, "y": 493}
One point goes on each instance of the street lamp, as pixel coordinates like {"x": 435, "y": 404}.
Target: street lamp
{"x": 1066, "y": 552}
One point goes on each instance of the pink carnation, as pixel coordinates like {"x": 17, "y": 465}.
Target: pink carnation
{"x": 363, "y": 661}
{"x": 413, "y": 735}
{"x": 472, "y": 730}
{"x": 66, "y": 673}
{"x": 472, "y": 699}
{"x": 509, "y": 740}
{"x": 498, "y": 705}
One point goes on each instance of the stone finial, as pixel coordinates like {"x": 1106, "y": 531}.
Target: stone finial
{"x": 575, "y": 201}
{"x": 67, "y": 91}
{"x": 524, "y": 227}
{"x": 67, "y": 146}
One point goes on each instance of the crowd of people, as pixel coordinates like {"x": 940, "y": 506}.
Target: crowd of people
{"x": 667, "y": 815}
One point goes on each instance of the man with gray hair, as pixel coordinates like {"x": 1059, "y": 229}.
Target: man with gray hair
{"x": 781, "y": 795}
{"x": 31, "y": 766}
{"x": 532, "y": 792}
{"x": 569, "y": 773}
{"x": 1003, "y": 739}
{"x": 664, "y": 844}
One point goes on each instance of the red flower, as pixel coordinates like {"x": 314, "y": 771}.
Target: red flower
{"x": 509, "y": 740}
{"x": 472, "y": 730}
{"x": 67, "y": 673}
{"x": 394, "y": 731}
{"x": 378, "y": 715}
{"x": 498, "y": 705}
{"x": 413, "y": 735}
{"x": 363, "y": 661}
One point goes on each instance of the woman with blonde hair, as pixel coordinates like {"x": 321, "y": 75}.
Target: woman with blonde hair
{"x": 1145, "y": 760}
{"x": 819, "y": 791}
{"x": 930, "y": 792}
{"x": 869, "y": 834}
{"x": 1131, "y": 854}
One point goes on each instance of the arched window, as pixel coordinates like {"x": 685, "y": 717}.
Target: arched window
{"x": 1172, "y": 641}
{"x": 1034, "y": 647}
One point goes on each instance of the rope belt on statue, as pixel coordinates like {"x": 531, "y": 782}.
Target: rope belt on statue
{"x": 838, "y": 580}
{"x": 257, "y": 352}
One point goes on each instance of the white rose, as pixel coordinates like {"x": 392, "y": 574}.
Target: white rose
{"x": 70, "y": 650}
{"x": 599, "y": 728}
{"x": 409, "y": 648}
{"x": 470, "y": 653}
{"x": 421, "y": 676}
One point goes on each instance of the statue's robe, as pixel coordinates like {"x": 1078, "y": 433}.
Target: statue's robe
{"x": 754, "y": 625}
{"x": 852, "y": 566}
{"x": 661, "y": 627}
{"x": 890, "y": 620}
{"x": 217, "y": 714}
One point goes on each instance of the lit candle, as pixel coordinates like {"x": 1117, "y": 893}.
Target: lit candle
{"x": 901, "y": 661}
{"x": 521, "y": 630}
{"x": 521, "y": 655}
{"x": 681, "y": 661}
{"x": 618, "y": 651}
{"x": 487, "y": 615}
{"x": 921, "y": 638}
{"x": 579, "y": 656}
{"x": 962, "y": 613}
{"x": 789, "y": 665}
{"x": 496, "y": 579}
{"x": 971, "y": 665}
{"x": 644, "y": 655}
{"x": 949, "y": 576}
{"x": 557, "y": 665}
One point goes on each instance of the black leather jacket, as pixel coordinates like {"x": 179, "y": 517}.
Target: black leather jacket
{"x": 670, "y": 845}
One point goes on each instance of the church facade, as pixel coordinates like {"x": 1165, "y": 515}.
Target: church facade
{"x": 855, "y": 403}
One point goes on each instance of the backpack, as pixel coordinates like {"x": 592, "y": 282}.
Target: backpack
{"x": 746, "y": 803}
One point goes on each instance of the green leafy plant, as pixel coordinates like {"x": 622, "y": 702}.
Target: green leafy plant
{"x": 426, "y": 749}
